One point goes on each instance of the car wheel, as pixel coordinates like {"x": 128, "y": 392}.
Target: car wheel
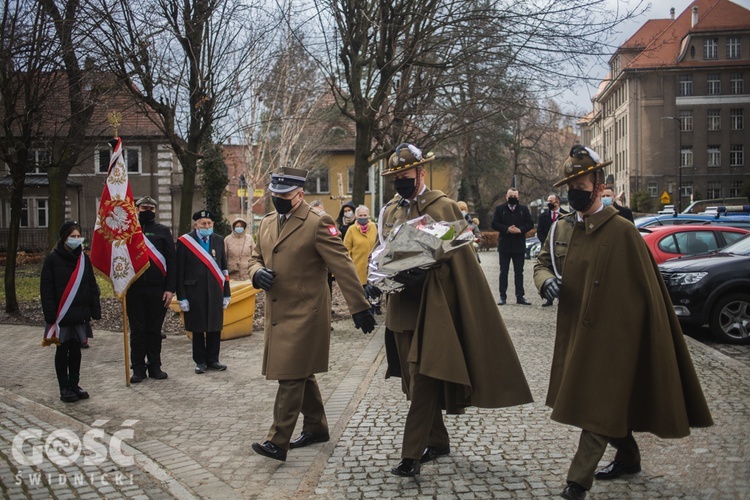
{"x": 730, "y": 319}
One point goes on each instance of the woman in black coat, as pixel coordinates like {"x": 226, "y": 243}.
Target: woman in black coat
{"x": 69, "y": 331}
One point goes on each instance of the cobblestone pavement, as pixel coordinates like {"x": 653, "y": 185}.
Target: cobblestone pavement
{"x": 191, "y": 434}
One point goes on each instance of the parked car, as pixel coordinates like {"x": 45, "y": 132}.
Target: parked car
{"x": 713, "y": 289}
{"x": 530, "y": 242}
{"x": 719, "y": 218}
{"x": 699, "y": 206}
{"x": 669, "y": 242}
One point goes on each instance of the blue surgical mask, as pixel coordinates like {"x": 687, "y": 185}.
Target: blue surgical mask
{"x": 203, "y": 232}
{"x": 607, "y": 201}
{"x": 463, "y": 212}
{"x": 74, "y": 243}
{"x": 239, "y": 229}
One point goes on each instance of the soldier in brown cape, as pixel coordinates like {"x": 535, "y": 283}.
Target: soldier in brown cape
{"x": 444, "y": 334}
{"x": 620, "y": 361}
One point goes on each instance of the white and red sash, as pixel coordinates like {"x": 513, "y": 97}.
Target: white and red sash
{"x": 51, "y": 336}
{"x": 156, "y": 257}
{"x": 204, "y": 257}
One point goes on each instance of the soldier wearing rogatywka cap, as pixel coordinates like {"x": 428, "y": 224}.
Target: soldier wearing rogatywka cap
{"x": 295, "y": 249}
{"x": 612, "y": 303}
{"x": 444, "y": 334}
{"x": 150, "y": 295}
{"x": 203, "y": 289}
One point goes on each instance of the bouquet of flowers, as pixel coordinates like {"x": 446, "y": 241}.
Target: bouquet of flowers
{"x": 417, "y": 243}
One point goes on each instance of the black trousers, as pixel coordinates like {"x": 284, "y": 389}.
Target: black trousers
{"x": 67, "y": 361}
{"x": 206, "y": 347}
{"x": 146, "y": 313}
{"x": 518, "y": 261}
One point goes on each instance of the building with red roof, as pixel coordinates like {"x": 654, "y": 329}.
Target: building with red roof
{"x": 671, "y": 112}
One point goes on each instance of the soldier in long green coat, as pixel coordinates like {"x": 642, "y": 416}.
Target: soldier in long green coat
{"x": 620, "y": 361}
{"x": 444, "y": 334}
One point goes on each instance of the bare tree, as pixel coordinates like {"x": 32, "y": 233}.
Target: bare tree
{"x": 26, "y": 55}
{"x": 75, "y": 116}
{"x": 399, "y": 67}
{"x": 289, "y": 123}
{"x": 190, "y": 62}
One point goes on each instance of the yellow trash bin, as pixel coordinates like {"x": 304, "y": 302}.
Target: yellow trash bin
{"x": 238, "y": 316}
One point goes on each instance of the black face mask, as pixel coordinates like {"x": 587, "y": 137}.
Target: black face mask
{"x": 145, "y": 217}
{"x": 405, "y": 187}
{"x": 580, "y": 200}
{"x": 281, "y": 205}
{"x": 512, "y": 200}
{"x": 551, "y": 207}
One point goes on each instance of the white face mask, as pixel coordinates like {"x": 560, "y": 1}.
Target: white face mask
{"x": 239, "y": 229}
{"x": 73, "y": 242}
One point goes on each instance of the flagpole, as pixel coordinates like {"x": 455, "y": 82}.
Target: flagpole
{"x": 125, "y": 340}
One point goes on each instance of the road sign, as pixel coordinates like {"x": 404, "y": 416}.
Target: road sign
{"x": 665, "y": 198}
{"x": 242, "y": 192}
{"x": 258, "y": 193}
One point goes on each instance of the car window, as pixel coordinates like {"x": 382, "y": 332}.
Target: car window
{"x": 668, "y": 244}
{"x": 694, "y": 242}
{"x": 730, "y": 237}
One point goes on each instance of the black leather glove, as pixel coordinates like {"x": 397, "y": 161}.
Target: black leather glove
{"x": 411, "y": 278}
{"x": 551, "y": 288}
{"x": 372, "y": 292}
{"x": 263, "y": 278}
{"x": 364, "y": 320}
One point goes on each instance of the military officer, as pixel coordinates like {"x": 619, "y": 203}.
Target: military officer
{"x": 437, "y": 327}
{"x": 150, "y": 295}
{"x": 618, "y": 366}
{"x": 203, "y": 289}
{"x": 296, "y": 247}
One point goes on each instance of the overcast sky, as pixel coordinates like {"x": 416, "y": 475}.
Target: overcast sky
{"x": 659, "y": 9}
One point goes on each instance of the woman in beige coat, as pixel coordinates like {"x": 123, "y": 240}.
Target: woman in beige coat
{"x": 239, "y": 247}
{"x": 360, "y": 239}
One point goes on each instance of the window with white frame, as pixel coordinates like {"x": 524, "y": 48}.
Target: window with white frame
{"x": 736, "y": 155}
{"x": 686, "y": 156}
{"x": 653, "y": 189}
{"x": 710, "y": 48}
{"x": 39, "y": 159}
{"x": 714, "y": 84}
{"x": 714, "y": 119}
{"x": 733, "y": 47}
{"x": 735, "y": 188}
{"x": 714, "y": 156}
{"x": 131, "y": 157}
{"x": 686, "y": 189}
{"x": 686, "y": 85}
{"x": 34, "y": 212}
{"x": 713, "y": 190}
{"x": 686, "y": 120}
{"x": 350, "y": 181}
{"x": 318, "y": 181}
{"x": 736, "y": 119}
{"x": 736, "y": 83}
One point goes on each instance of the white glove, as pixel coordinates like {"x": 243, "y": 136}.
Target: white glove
{"x": 226, "y": 303}
{"x": 184, "y": 305}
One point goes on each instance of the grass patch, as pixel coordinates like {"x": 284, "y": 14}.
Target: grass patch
{"x": 27, "y": 284}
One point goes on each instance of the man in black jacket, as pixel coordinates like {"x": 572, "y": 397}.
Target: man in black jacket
{"x": 150, "y": 295}
{"x": 608, "y": 198}
{"x": 512, "y": 220}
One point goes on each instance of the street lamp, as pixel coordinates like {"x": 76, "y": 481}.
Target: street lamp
{"x": 679, "y": 166}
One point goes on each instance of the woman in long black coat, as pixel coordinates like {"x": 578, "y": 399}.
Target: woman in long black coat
{"x": 69, "y": 323}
